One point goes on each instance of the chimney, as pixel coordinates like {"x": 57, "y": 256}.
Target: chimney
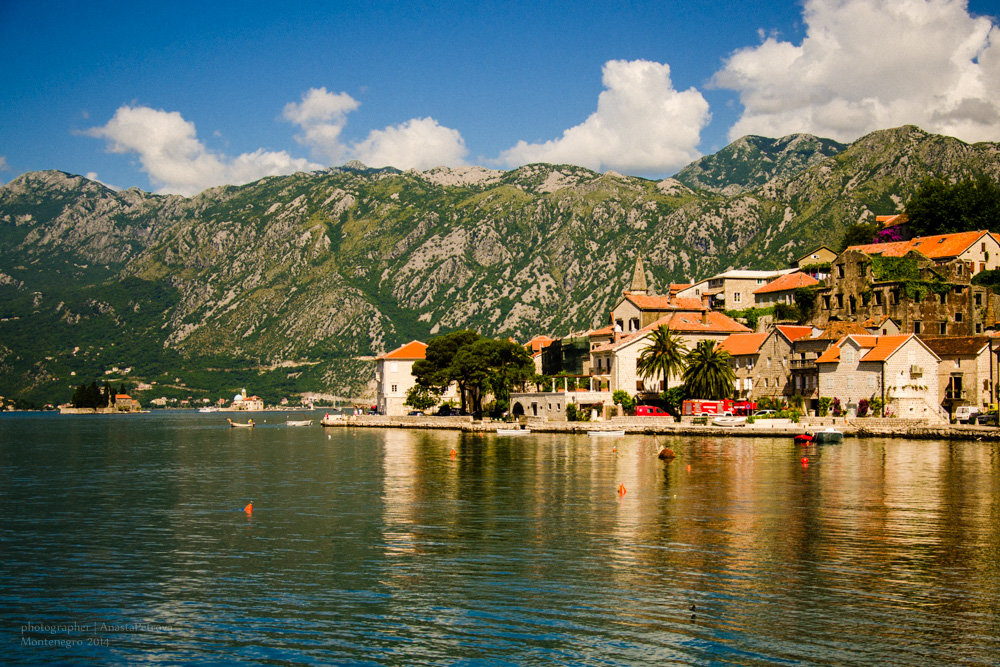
{"x": 705, "y": 301}
{"x": 704, "y": 317}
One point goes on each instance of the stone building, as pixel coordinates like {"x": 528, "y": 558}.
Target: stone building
{"x": 921, "y": 295}
{"x": 807, "y": 349}
{"x": 744, "y": 350}
{"x": 967, "y": 371}
{"x": 394, "y": 377}
{"x": 773, "y": 374}
{"x": 782, "y": 290}
{"x": 901, "y": 370}
{"x": 731, "y": 290}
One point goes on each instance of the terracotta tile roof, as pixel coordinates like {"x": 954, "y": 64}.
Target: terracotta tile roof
{"x": 537, "y": 343}
{"x": 677, "y": 287}
{"x": 836, "y": 330}
{"x": 412, "y": 350}
{"x": 603, "y": 331}
{"x": 956, "y": 346}
{"x": 879, "y": 348}
{"x": 743, "y": 343}
{"x": 940, "y": 246}
{"x": 794, "y": 332}
{"x": 681, "y": 323}
{"x": 122, "y": 397}
{"x": 786, "y": 282}
{"x": 663, "y": 302}
{"x": 884, "y": 346}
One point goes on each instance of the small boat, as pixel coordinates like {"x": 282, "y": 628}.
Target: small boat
{"x": 513, "y": 431}
{"x": 608, "y": 434}
{"x": 331, "y": 420}
{"x": 828, "y": 437}
{"x": 729, "y": 421}
{"x": 803, "y": 439}
{"x": 208, "y": 409}
{"x": 301, "y": 422}
{"x": 233, "y": 424}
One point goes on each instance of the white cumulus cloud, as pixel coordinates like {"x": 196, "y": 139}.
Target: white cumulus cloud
{"x": 176, "y": 161}
{"x": 642, "y": 125}
{"x": 419, "y": 143}
{"x": 322, "y": 116}
{"x": 872, "y": 64}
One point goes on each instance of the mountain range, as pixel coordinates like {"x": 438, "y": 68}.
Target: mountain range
{"x": 292, "y": 283}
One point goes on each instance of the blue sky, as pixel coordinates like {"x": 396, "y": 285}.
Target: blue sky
{"x": 176, "y": 97}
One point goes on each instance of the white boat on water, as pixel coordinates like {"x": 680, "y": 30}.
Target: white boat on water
{"x": 828, "y": 436}
{"x": 208, "y": 409}
{"x": 300, "y": 422}
{"x": 606, "y": 433}
{"x": 513, "y": 431}
{"x": 729, "y": 421}
{"x": 233, "y": 424}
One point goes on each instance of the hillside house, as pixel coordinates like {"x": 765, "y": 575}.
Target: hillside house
{"x": 125, "y": 403}
{"x": 782, "y": 289}
{"x": 901, "y": 370}
{"x": 816, "y": 263}
{"x": 920, "y": 294}
{"x": 807, "y": 349}
{"x": 731, "y": 290}
{"x": 394, "y": 377}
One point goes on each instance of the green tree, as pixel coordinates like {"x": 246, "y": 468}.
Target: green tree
{"x": 805, "y": 301}
{"x": 673, "y": 399}
{"x": 622, "y": 398}
{"x": 708, "y": 373}
{"x": 859, "y": 233}
{"x": 436, "y": 371}
{"x": 664, "y": 356}
{"x": 421, "y": 398}
{"x": 939, "y": 207}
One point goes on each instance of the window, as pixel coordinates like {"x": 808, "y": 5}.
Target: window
{"x": 395, "y": 388}
{"x": 840, "y": 270}
{"x": 943, "y": 297}
{"x": 979, "y": 327}
{"x": 958, "y": 317}
{"x": 840, "y": 301}
{"x": 878, "y": 298}
{"x": 943, "y": 328}
{"x": 916, "y": 327}
{"x": 826, "y": 301}
{"x": 737, "y": 297}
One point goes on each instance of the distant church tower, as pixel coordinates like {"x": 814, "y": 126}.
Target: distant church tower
{"x": 639, "y": 285}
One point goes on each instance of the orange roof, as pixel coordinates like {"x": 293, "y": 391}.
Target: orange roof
{"x": 412, "y": 350}
{"x": 603, "y": 331}
{"x": 663, "y": 302}
{"x": 879, "y": 348}
{"x": 890, "y": 220}
{"x": 537, "y": 343}
{"x": 122, "y": 397}
{"x": 794, "y": 332}
{"x": 885, "y": 346}
{"x": 677, "y": 287}
{"x": 786, "y": 282}
{"x": 835, "y": 330}
{"x": 743, "y": 343}
{"x": 940, "y": 246}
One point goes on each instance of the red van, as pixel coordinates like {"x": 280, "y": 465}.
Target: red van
{"x": 650, "y": 411}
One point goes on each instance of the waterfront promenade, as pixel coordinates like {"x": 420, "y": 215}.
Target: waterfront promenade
{"x": 765, "y": 428}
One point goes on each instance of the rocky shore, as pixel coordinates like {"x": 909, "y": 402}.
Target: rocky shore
{"x": 858, "y": 428}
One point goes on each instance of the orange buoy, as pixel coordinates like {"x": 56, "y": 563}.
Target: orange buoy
{"x": 621, "y": 489}
{"x": 689, "y": 467}
{"x": 805, "y": 460}
{"x": 666, "y": 453}
{"x": 452, "y": 454}
{"x": 249, "y": 508}
{"x": 614, "y": 449}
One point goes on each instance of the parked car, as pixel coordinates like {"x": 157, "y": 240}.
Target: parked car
{"x": 966, "y": 414}
{"x": 764, "y": 413}
{"x": 650, "y": 411}
{"x": 987, "y": 419}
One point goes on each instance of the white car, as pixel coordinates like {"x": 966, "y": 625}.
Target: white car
{"x": 764, "y": 413}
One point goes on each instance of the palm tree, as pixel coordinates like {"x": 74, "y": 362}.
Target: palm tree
{"x": 708, "y": 373}
{"x": 664, "y": 357}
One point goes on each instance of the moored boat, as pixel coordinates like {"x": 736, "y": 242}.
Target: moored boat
{"x": 513, "y": 431}
{"x": 606, "y": 433}
{"x": 300, "y": 422}
{"x": 233, "y": 424}
{"x": 828, "y": 436}
{"x": 729, "y": 421}
{"x": 803, "y": 439}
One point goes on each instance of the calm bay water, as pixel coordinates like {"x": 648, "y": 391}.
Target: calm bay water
{"x": 122, "y": 541}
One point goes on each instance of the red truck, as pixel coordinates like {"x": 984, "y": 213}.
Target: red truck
{"x": 727, "y": 406}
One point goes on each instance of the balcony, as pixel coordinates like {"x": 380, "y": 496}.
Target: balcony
{"x": 954, "y": 394}
{"x": 802, "y": 364}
